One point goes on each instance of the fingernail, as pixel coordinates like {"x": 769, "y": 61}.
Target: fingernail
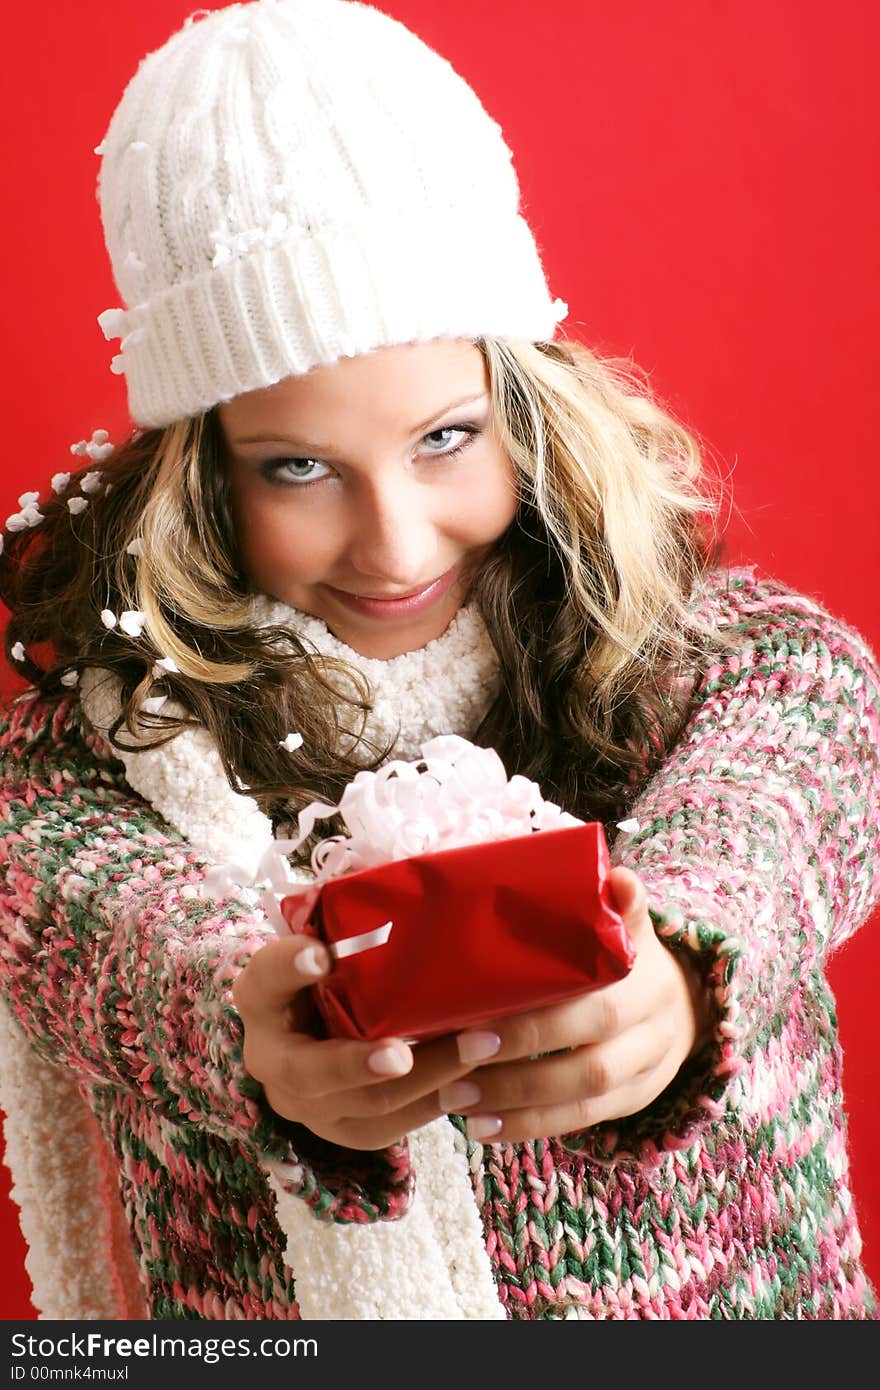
{"x": 311, "y": 961}
{"x": 482, "y": 1126}
{"x": 476, "y": 1047}
{"x": 387, "y": 1061}
{"x": 458, "y": 1095}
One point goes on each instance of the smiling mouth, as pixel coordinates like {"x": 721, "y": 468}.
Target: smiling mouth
{"x": 394, "y": 598}
{"x": 390, "y": 605}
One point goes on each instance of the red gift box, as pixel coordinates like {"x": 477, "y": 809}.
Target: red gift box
{"x": 444, "y": 941}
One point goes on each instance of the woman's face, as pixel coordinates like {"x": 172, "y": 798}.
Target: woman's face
{"x": 367, "y": 492}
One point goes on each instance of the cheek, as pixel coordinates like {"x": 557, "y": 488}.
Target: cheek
{"x": 273, "y": 541}
{"x": 495, "y": 504}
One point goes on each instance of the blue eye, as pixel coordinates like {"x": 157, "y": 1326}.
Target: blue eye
{"x": 296, "y": 471}
{"x": 470, "y": 433}
{"x": 300, "y": 472}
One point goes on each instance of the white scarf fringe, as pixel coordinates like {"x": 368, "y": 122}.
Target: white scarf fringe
{"x": 429, "y": 1265}
{"x": 79, "y": 1256}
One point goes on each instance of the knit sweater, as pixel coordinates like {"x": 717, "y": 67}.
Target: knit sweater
{"x": 728, "y": 1197}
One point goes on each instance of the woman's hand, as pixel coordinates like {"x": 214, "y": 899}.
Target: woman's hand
{"x": 363, "y": 1095}
{"x": 616, "y": 1049}
{"x": 623, "y": 1043}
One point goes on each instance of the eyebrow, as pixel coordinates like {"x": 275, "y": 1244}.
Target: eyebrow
{"x": 313, "y": 448}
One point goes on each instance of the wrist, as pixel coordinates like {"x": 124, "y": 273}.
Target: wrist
{"x": 702, "y": 1011}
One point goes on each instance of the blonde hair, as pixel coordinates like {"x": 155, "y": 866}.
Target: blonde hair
{"x": 184, "y": 563}
{"x": 620, "y": 487}
{"x": 587, "y": 596}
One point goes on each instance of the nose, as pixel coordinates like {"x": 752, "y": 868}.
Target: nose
{"x": 393, "y": 538}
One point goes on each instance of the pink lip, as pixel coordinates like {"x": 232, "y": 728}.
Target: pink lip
{"x": 400, "y": 605}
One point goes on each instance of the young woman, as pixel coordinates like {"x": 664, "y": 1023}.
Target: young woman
{"x": 372, "y": 497}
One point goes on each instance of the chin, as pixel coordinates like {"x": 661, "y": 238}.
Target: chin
{"x": 383, "y": 645}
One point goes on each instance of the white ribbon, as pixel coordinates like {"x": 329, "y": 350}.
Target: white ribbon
{"x": 353, "y": 945}
{"x": 455, "y": 794}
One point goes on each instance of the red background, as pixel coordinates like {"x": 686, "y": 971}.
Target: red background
{"x": 701, "y": 178}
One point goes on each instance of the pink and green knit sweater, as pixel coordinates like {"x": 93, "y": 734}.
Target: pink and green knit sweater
{"x": 728, "y": 1198}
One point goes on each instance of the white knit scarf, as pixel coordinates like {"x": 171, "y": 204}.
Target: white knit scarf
{"x": 429, "y": 1264}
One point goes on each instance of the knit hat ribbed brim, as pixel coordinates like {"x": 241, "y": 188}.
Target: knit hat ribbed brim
{"x": 288, "y": 182}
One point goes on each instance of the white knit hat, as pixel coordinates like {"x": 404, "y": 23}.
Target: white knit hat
{"x": 288, "y": 182}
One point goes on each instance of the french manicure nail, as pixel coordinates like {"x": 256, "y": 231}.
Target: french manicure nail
{"x": 387, "y": 1061}
{"x": 482, "y": 1126}
{"x": 310, "y": 961}
{"x": 458, "y": 1095}
{"x": 476, "y": 1047}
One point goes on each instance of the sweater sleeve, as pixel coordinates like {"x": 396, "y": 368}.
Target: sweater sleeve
{"x": 758, "y": 837}
{"x": 117, "y": 968}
